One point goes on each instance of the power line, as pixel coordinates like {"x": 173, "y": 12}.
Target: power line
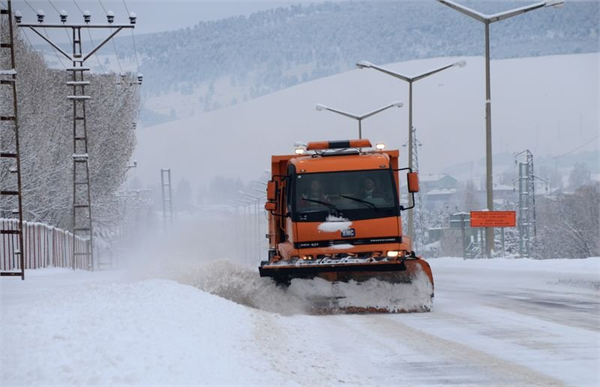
{"x": 60, "y": 14}
{"x": 79, "y": 8}
{"x": 95, "y": 55}
{"x": 102, "y": 5}
{"x": 571, "y": 151}
{"x": 137, "y": 62}
{"x": 29, "y": 5}
{"x": 135, "y": 51}
{"x": 29, "y": 41}
{"x": 112, "y": 41}
{"x": 56, "y": 9}
{"x": 116, "y": 54}
{"x": 127, "y": 9}
{"x": 54, "y": 50}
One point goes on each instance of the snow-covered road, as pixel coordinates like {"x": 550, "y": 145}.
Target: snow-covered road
{"x": 495, "y": 322}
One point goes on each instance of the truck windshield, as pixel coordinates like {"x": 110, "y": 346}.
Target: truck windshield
{"x": 352, "y": 194}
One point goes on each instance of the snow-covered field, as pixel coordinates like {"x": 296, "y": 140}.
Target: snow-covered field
{"x": 495, "y": 322}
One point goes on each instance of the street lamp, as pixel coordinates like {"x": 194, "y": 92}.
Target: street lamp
{"x": 362, "y": 117}
{"x": 487, "y": 20}
{"x": 410, "y": 80}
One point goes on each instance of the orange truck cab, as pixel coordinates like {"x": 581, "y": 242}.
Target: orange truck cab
{"x": 334, "y": 212}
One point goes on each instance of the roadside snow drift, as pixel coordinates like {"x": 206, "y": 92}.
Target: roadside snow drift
{"x": 511, "y": 322}
{"x": 151, "y": 332}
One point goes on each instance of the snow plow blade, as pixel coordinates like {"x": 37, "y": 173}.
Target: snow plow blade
{"x": 405, "y": 285}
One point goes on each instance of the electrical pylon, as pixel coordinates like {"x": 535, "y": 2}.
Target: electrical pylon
{"x": 81, "y": 225}
{"x": 11, "y": 195}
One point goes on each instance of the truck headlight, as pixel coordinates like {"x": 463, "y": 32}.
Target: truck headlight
{"x": 393, "y": 254}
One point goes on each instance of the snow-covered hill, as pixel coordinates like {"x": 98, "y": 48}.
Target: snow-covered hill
{"x": 278, "y": 48}
{"x": 546, "y": 104}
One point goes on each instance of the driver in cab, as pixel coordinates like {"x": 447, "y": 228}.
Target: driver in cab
{"x": 314, "y": 194}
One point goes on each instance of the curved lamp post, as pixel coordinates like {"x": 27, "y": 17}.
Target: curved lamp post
{"x": 410, "y": 80}
{"x": 487, "y": 20}
{"x": 361, "y": 117}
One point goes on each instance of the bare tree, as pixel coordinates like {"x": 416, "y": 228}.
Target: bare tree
{"x": 568, "y": 225}
{"x": 579, "y": 176}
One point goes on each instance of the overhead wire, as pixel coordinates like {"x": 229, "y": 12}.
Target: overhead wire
{"x": 112, "y": 41}
{"x": 27, "y": 38}
{"x": 54, "y": 50}
{"x": 95, "y": 55}
{"x": 78, "y": 7}
{"x": 91, "y": 39}
{"x": 59, "y": 14}
{"x": 45, "y": 32}
{"x": 137, "y": 62}
{"x": 56, "y": 9}
{"x": 68, "y": 37}
{"x": 571, "y": 151}
{"x": 29, "y": 5}
{"x": 102, "y": 5}
{"x": 126, "y": 9}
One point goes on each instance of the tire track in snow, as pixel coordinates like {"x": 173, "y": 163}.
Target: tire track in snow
{"x": 500, "y": 370}
{"x": 376, "y": 350}
{"x": 277, "y": 338}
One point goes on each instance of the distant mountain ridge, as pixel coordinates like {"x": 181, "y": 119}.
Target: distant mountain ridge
{"x": 275, "y": 49}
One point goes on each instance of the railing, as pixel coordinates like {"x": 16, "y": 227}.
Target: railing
{"x": 473, "y": 250}
{"x": 44, "y": 245}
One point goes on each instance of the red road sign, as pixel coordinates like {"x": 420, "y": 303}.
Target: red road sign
{"x": 493, "y": 218}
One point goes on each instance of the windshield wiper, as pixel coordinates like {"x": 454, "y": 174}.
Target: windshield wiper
{"x": 373, "y": 206}
{"x": 329, "y": 205}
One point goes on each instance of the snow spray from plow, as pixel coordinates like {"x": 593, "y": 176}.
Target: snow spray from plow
{"x": 307, "y": 296}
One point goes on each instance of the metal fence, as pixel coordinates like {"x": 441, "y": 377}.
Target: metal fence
{"x": 44, "y": 245}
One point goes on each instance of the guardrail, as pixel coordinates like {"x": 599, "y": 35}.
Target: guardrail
{"x": 44, "y": 245}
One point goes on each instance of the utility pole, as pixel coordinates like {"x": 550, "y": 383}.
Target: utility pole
{"x": 10, "y": 151}
{"x": 416, "y": 233}
{"x": 82, "y": 201}
{"x": 167, "y": 197}
{"x": 487, "y": 20}
{"x": 527, "y": 219}
{"x": 410, "y": 81}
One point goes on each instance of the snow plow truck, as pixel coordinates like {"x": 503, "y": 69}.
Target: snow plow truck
{"x": 334, "y": 215}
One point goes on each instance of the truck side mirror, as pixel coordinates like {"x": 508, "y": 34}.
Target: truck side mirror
{"x": 271, "y": 191}
{"x": 413, "y": 182}
{"x": 271, "y": 206}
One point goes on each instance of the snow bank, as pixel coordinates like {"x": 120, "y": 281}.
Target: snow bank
{"x": 153, "y": 332}
{"x": 502, "y": 272}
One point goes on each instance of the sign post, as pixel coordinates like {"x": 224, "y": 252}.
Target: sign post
{"x": 499, "y": 219}
{"x": 462, "y": 220}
